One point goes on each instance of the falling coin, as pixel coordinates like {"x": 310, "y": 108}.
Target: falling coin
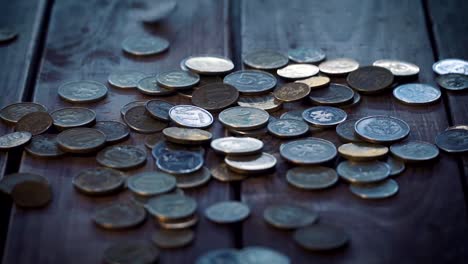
{"x": 316, "y": 81}
{"x": 251, "y": 81}
{"x": 377, "y": 190}
{"x": 334, "y": 94}
{"x": 252, "y": 164}
{"x": 446, "y": 66}
{"x": 82, "y": 91}
{"x": 237, "y": 146}
{"x": 209, "y": 65}
{"x": 370, "y": 79}
{"x": 164, "y": 238}
{"x": 362, "y": 151}
{"x": 306, "y": 55}
{"x": 164, "y": 146}
{"x": 171, "y": 206}
{"x": 215, "y": 96}
{"x": 44, "y": 146}
{"x": 144, "y": 45}
{"x": 244, "y": 118}
{"x": 178, "y": 79}
{"x": 119, "y": 215}
{"x": 8, "y": 182}
{"x": 158, "y": 11}
{"x": 151, "y": 183}
{"x": 14, "y": 139}
{"x": 381, "y": 129}
{"x": 227, "y": 212}
{"x": 222, "y": 173}
{"x": 289, "y": 216}
{"x": 128, "y": 252}
{"x": 416, "y": 94}
{"x": 194, "y": 179}
{"x": 149, "y": 86}
{"x": 396, "y": 166}
{"x": 363, "y": 172}
{"x": 81, "y": 140}
{"x": 398, "y": 68}
{"x": 189, "y": 136}
{"x": 138, "y": 119}
{"x": 266, "y": 102}
{"x": 319, "y": 237}
{"x": 99, "y": 181}
{"x": 346, "y": 133}
{"x": 308, "y": 151}
{"x": 298, "y": 71}
{"x": 14, "y": 112}
{"x": 288, "y": 128}
{"x": 219, "y": 256}
{"x": 190, "y": 116}
{"x": 324, "y": 116}
{"x": 71, "y": 117}
{"x": 292, "y": 92}
{"x": 159, "y": 109}
{"x": 340, "y": 66}
{"x": 452, "y": 141}
{"x": 125, "y": 79}
{"x": 265, "y": 60}
{"x": 311, "y": 177}
{"x": 262, "y": 255}
{"x": 453, "y": 81}
{"x": 178, "y": 224}
{"x": 7, "y": 34}
{"x": 31, "y": 194}
{"x": 35, "y": 123}
{"x": 121, "y": 157}
{"x": 414, "y": 151}
{"x": 179, "y": 162}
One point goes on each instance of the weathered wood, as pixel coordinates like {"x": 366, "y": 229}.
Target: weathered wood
{"x": 426, "y": 220}
{"x": 84, "y": 42}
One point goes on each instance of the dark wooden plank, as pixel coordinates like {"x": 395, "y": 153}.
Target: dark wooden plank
{"x": 84, "y": 43}
{"x": 427, "y": 220}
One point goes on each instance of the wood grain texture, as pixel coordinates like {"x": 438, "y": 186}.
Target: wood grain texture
{"x": 84, "y": 42}
{"x": 426, "y": 220}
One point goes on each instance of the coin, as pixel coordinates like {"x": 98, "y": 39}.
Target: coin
{"x": 222, "y": 173}
{"x": 345, "y": 131}
{"x": 121, "y": 157}
{"x": 243, "y": 118}
{"x": 256, "y": 133}
{"x": 99, "y": 181}
{"x": 414, "y": 151}
{"x": 297, "y": 71}
{"x": 179, "y": 162}
{"x": 194, "y": 179}
{"x": 376, "y": 190}
{"x": 289, "y": 216}
{"x": 237, "y": 146}
{"x": 14, "y": 112}
{"x": 209, "y": 65}
{"x": 82, "y": 91}
{"x": 261, "y": 255}
{"x": 362, "y": 151}
{"x": 340, "y": 66}
{"x": 324, "y": 116}
{"x": 14, "y": 139}
{"x": 130, "y": 105}
{"x": 215, "y": 96}
{"x": 71, "y": 117}
{"x": 119, "y": 215}
{"x": 334, "y": 94}
{"x": 164, "y": 238}
{"x": 164, "y": 146}
{"x": 453, "y": 81}
{"x": 177, "y": 224}
{"x": 396, "y": 166}
{"x": 8, "y": 182}
{"x": 31, "y": 194}
{"x": 149, "y": 86}
{"x": 227, "y": 255}
{"x": 311, "y": 177}
{"x": 251, "y": 81}
{"x": 178, "y": 79}
{"x": 398, "y": 68}
{"x": 355, "y": 101}
{"x": 151, "y": 183}
{"x": 266, "y": 102}
{"x": 171, "y": 206}
{"x": 157, "y": 12}
{"x": 139, "y": 120}
{"x": 308, "y": 151}
{"x": 288, "y": 128}
{"x": 297, "y": 115}
{"x": 7, "y": 34}
{"x": 190, "y": 116}
{"x": 159, "y": 109}
{"x": 186, "y": 93}
{"x": 144, "y": 45}
{"x": 35, "y": 123}
{"x": 458, "y": 127}
{"x": 291, "y": 92}
{"x": 381, "y": 129}
{"x": 306, "y": 55}
{"x": 189, "y": 136}
{"x": 446, "y": 66}
{"x": 125, "y": 79}
{"x": 114, "y": 130}
{"x": 252, "y": 164}
{"x": 81, "y": 140}
{"x": 416, "y": 93}
{"x": 128, "y": 252}
{"x": 320, "y": 237}
{"x": 153, "y": 139}
{"x": 452, "y": 141}
{"x": 370, "y": 79}
{"x": 44, "y": 146}
{"x": 315, "y": 82}
{"x": 265, "y": 60}
{"x": 363, "y": 172}
{"x": 227, "y": 212}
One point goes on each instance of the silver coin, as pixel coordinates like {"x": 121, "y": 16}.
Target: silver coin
{"x": 262, "y": 255}
{"x": 308, "y": 151}
{"x": 324, "y": 116}
{"x": 12, "y": 113}
{"x": 252, "y": 164}
{"x": 376, "y": 190}
{"x": 243, "y": 118}
{"x": 14, "y": 139}
{"x": 221, "y": 256}
{"x": 151, "y": 183}
{"x": 311, "y": 177}
{"x": 297, "y": 71}
{"x": 164, "y": 146}
{"x": 363, "y": 172}
{"x": 289, "y": 216}
{"x": 149, "y": 86}
{"x": 82, "y": 91}
{"x": 414, "y": 151}
{"x": 237, "y": 146}
{"x": 179, "y": 162}
{"x": 251, "y": 81}
{"x": 333, "y": 94}
{"x": 453, "y": 81}
{"x": 346, "y": 133}
{"x": 178, "y": 79}
{"x": 71, "y": 117}
{"x": 381, "y": 129}
{"x": 209, "y": 64}
{"x": 159, "y": 109}
{"x": 453, "y": 140}
{"x": 130, "y": 105}
{"x": 114, "y": 130}
{"x": 227, "y": 212}
{"x": 144, "y": 45}
{"x": 266, "y": 102}
{"x": 295, "y": 114}
{"x": 446, "y": 66}
{"x": 190, "y": 116}
{"x": 265, "y": 60}
{"x": 288, "y": 128}
{"x": 416, "y": 93}
{"x": 306, "y": 55}
{"x": 126, "y": 79}
{"x": 398, "y": 68}
{"x": 396, "y": 166}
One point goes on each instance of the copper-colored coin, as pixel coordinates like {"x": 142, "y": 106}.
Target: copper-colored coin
{"x": 316, "y": 81}
{"x": 189, "y": 136}
{"x": 362, "y": 151}
{"x": 70, "y": 117}
{"x": 215, "y": 96}
{"x": 266, "y": 102}
{"x": 119, "y": 215}
{"x": 159, "y": 109}
{"x": 44, "y": 146}
{"x": 14, "y": 139}
{"x": 121, "y": 157}
{"x": 114, "y": 131}
{"x": 138, "y": 119}
{"x": 332, "y": 95}
{"x": 99, "y": 181}
{"x": 31, "y": 194}
{"x": 222, "y": 173}
{"x": 340, "y": 66}
{"x": 13, "y": 112}
{"x": 35, "y": 123}
{"x": 8, "y": 182}
{"x": 291, "y": 92}
{"x": 370, "y": 79}
{"x": 81, "y": 140}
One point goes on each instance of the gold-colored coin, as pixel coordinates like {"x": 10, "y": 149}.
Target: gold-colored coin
{"x": 99, "y": 181}
{"x": 338, "y": 66}
{"x": 81, "y": 140}
{"x": 266, "y": 102}
{"x": 291, "y": 92}
{"x": 194, "y": 179}
{"x": 316, "y": 81}
{"x": 35, "y": 123}
{"x": 14, "y": 139}
{"x": 362, "y": 151}
{"x": 189, "y": 136}
{"x": 164, "y": 238}
{"x": 119, "y": 215}
{"x": 252, "y": 164}
{"x": 13, "y": 112}
{"x": 31, "y": 194}
{"x": 222, "y": 173}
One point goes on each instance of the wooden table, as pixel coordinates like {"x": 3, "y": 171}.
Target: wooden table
{"x": 66, "y": 40}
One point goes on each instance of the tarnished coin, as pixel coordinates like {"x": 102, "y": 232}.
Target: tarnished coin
{"x": 252, "y": 164}
{"x": 288, "y": 128}
{"x": 81, "y": 140}
{"x": 340, "y": 66}
{"x": 227, "y": 212}
{"x": 44, "y": 146}
{"x": 243, "y": 118}
{"x": 215, "y": 96}
{"x": 376, "y": 190}
{"x": 308, "y": 151}
{"x": 227, "y": 255}
{"x": 7, "y": 34}
{"x": 262, "y": 255}
{"x": 345, "y": 131}
{"x": 237, "y": 145}
{"x": 153, "y": 139}
{"x": 149, "y": 86}
{"x": 99, "y": 181}
{"x": 194, "y": 179}
{"x": 324, "y": 116}
{"x": 453, "y": 81}
{"x": 189, "y": 136}
{"x": 453, "y": 141}
{"x": 14, "y": 139}
{"x": 179, "y": 162}
{"x": 354, "y": 102}
{"x": 178, "y": 79}
{"x": 144, "y": 45}
{"x": 190, "y": 116}
{"x": 35, "y": 123}
{"x": 251, "y": 81}
{"x": 119, "y": 215}
{"x": 334, "y": 94}
{"x": 209, "y": 65}
{"x": 121, "y": 157}
{"x": 416, "y": 94}
{"x": 130, "y": 105}
{"x": 381, "y": 129}
{"x": 8, "y": 182}
{"x": 289, "y": 216}
{"x": 396, "y": 166}
{"x": 398, "y": 68}
{"x": 265, "y": 60}
{"x": 266, "y": 102}
{"x": 151, "y": 183}
{"x": 164, "y": 238}
{"x": 31, "y": 194}
{"x": 446, "y": 66}
{"x": 125, "y": 79}
{"x": 363, "y": 172}
{"x": 14, "y": 112}
{"x": 311, "y": 177}
{"x": 291, "y": 92}
{"x": 164, "y": 146}
{"x": 82, "y": 91}
{"x": 297, "y": 71}
{"x": 129, "y": 252}
{"x": 157, "y": 11}
{"x": 362, "y": 151}
{"x": 159, "y": 109}
{"x": 315, "y": 81}
{"x": 171, "y": 206}
{"x": 414, "y": 151}
{"x": 114, "y": 130}
{"x": 222, "y": 173}
{"x": 138, "y": 119}
{"x": 295, "y": 115}
{"x": 179, "y": 223}
{"x": 319, "y": 237}
{"x": 306, "y": 55}
{"x": 71, "y": 117}
{"x": 370, "y": 79}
